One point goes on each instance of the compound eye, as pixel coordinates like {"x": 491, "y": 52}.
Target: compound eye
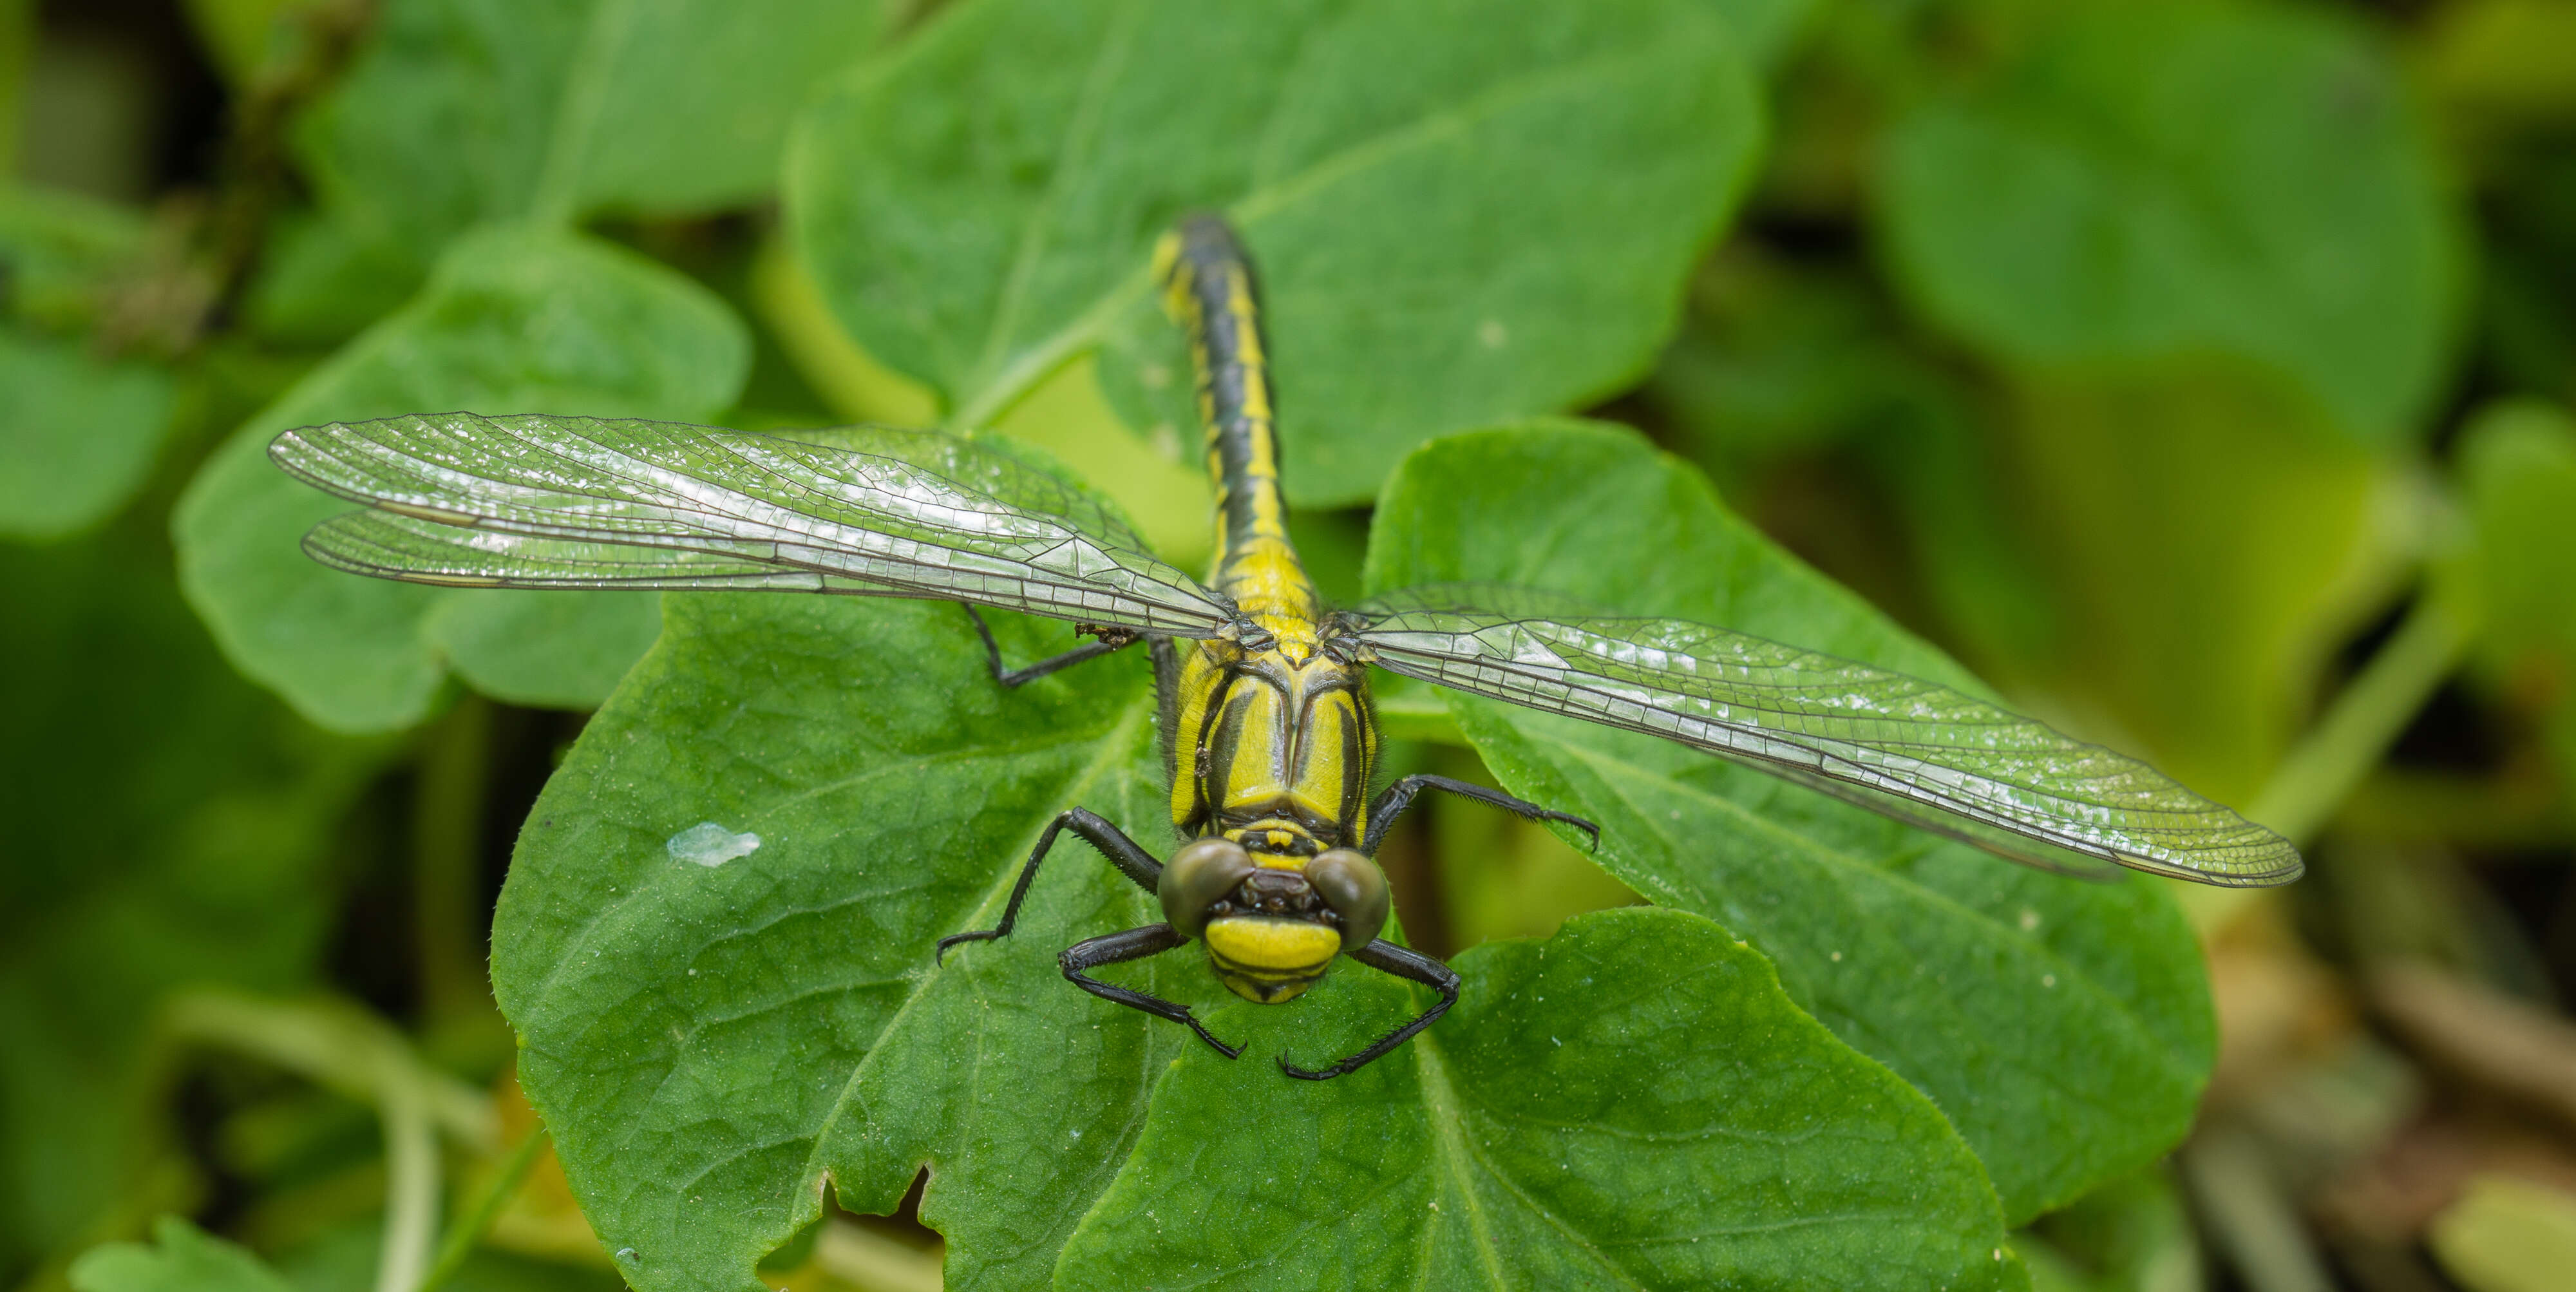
{"x": 1356, "y": 890}
{"x": 1197, "y": 877}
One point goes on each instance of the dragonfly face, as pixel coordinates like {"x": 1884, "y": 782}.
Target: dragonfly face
{"x": 1272, "y": 922}
{"x": 1269, "y": 737}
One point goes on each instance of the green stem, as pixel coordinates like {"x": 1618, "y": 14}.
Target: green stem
{"x": 334, "y": 1045}
{"x": 469, "y": 1228}
{"x": 411, "y": 1181}
{"x": 348, "y": 1050}
{"x": 447, "y": 835}
{"x": 2365, "y": 719}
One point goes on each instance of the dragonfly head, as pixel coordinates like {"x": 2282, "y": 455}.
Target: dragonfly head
{"x": 1272, "y": 929}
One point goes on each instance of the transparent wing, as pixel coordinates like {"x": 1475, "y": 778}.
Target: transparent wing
{"x": 1921, "y": 753}
{"x": 577, "y": 502}
{"x": 388, "y": 545}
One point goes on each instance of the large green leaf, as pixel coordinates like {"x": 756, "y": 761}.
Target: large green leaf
{"x": 707, "y": 1043}
{"x": 461, "y": 111}
{"x": 711, "y": 1045}
{"x": 2161, "y": 180}
{"x": 1462, "y": 210}
{"x": 1633, "y": 1103}
{"x": 2063, "y": 1026}
{"x": 516, "y": 320}
{"x": 77, "y": 433}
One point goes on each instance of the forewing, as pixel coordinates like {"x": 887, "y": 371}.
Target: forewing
{"x": 1898, "y": 745}
{"x": 393, "y": 546}
{"x": 873, "y": 510}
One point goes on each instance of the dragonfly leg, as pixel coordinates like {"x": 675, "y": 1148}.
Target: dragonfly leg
{"x": 1018, "y": 677}
{"x": 1399, "y": 796}
{"x": 1134, "y": 944}
{"x": 1126, "y": 854}
{"x": 1387, "y": 957}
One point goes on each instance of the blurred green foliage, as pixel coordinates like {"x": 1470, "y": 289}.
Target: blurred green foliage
{"x": 2196, "y": 373}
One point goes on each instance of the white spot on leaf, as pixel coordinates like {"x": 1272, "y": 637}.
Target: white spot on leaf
{"x": 709, "y": 844}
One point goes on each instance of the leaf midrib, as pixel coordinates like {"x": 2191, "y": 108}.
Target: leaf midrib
{"x": 1448, "y": 1128}
{"x": 557, "y": 192}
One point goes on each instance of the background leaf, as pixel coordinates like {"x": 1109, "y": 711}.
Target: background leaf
{"x": 183, "y": 1258}
{"x": 567, "y": 108}
{"x": 2062, "y": 1026}
{"x": 2155, "y": 182}
{"x": 517, "y": 320}
{"x": 77, "y": 434}
{"x": 1388, "y": 164}
{"x": 2518, "y": 472}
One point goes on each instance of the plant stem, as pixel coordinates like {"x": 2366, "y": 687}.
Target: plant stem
{"x": 468, "y": 1229}
{"x": 411, "y": 1181}
{"x": 351, "y": 1051}
{"x": 447, "y": 834}
{"x": 334, "y": 1045}
{"x": 2365, "y": 719}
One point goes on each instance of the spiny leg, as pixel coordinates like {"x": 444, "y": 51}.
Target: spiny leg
{"x": 1387, "y": 957}
{"x": 1134, "y": 944}
{"x": 1399, "y": 796}
{"x": 1023, "y": 676}
{"x": 1126, "y": 854}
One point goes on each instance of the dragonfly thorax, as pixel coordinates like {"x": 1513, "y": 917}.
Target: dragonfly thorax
{"x": 1273, "y": 751}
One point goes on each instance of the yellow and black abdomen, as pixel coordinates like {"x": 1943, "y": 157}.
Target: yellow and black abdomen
{"x": 1210, "y": 291}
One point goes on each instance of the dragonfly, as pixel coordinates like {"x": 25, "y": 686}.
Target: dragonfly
{"x": 1271, "y": 743}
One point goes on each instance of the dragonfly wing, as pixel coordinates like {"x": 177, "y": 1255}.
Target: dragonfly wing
{"x": 393, "y": 546}
{"x": 897, "y": 513}
{"x": 1898, "y": 745}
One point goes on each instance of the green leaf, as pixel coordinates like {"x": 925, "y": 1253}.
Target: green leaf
{"x": 78, "y": 433}
{"x": 2518, "y": 477}
{"x": 2063, "y": 1026}
{"x": 516, "y": 320}
{"x": 1461, "y": 210}
{"x": 183, "y": 1259}
{"x": 707, "y": 1044}
{"x": 2155, "y": 181}
{"x": 320, "y": 282}
{"x": 1768, "y": 28}
{"x": 710, "y": 1045}
{"x": 567, "y": 109}
{"x": 1633, "y": 1103}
